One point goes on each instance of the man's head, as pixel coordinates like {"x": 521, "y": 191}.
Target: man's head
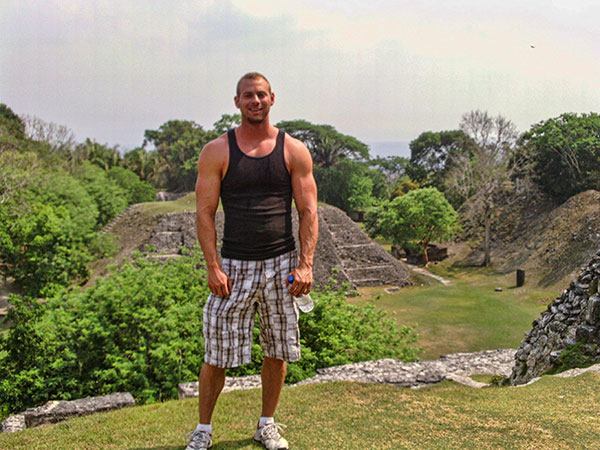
{"x": 254, "y": 98}
{"x": 252, "y": 76}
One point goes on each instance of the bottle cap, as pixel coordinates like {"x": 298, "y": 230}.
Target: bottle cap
{"x": 291, "y": 278}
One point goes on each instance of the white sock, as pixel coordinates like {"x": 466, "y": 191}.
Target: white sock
{"x": 204, "y": 427}
{"x": 263, "y": 420}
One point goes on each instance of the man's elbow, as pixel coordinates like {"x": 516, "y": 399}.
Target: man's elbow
{"x": 309, "y": 211}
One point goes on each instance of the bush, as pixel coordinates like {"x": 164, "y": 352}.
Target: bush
{"x": 140, "y": 330}
{"x": 42, "y": 248}
{"x": 138, "y": 191}
{"x": 110, "y": 198}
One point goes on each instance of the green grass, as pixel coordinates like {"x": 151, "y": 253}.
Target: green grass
{"x": 183, "y": 204}
{"x": 468, "y": 315}
{"x": 555, "y": 413}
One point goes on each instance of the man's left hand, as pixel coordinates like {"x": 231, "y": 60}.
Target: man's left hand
{"x": 303, "y": 279}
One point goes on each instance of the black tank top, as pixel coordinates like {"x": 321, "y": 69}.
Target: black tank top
{"x": 256, "y": 194}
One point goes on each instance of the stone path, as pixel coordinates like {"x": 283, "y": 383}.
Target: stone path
{"x": 427, "y": 273}
{"x": 457, "y": 367}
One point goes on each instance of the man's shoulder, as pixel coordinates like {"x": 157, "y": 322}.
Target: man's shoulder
{"x": 296, "y": 151}
{"x": 294, "y": 144}
{"x": 217, "y": 147}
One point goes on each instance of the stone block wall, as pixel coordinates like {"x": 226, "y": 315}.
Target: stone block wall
{"x": 574, "y": 316}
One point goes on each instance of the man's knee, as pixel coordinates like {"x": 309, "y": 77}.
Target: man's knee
{"x": 274, "y": 363}
{"x": 211, "y": 371}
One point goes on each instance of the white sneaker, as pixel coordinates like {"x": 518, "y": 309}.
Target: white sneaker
{"x": 268, "y": 435}
{"x": 198, "y": 440}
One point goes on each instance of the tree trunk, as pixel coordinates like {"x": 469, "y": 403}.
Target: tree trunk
{"x": 425, "y": 253}
{"x": 486, "y": 242}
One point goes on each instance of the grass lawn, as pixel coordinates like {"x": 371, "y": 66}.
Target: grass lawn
{"x": 555, "y": 413}
{"x": 183, "y": 204}
{"x": 468, "y": 315}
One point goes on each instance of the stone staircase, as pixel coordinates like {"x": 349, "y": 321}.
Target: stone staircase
{"x": 106, "y": 228}
{"x": 362, "y": 260}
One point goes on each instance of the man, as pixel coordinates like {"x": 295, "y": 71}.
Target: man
{"x": 256, "y": 169}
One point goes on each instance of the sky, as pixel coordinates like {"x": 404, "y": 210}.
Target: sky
{"x": 383, "y": 71}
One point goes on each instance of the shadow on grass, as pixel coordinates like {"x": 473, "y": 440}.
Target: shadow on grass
{"x": 221, "y": 445}
{"x": 240, "y": 443}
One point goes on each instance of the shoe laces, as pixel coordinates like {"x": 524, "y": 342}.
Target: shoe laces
{"x": 198, "y": 437}
{"x": 271, "y": 430}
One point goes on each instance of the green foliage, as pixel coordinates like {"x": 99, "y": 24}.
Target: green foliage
{"x": 360, "y": 192}
{"x": 418, "y": 218}
{"x": 346, "y": 185}
{"x": 565, "y": 152}
{"x": 177, "y": 145}
{"x": 327, "y": 145}
{"x": 404, "y": 186}
{"x": 137, "y": 191}
{"x": 109, "y": 197}
{"x": 227, "y": 122}
{"x": 103, "y": 245}
{"x": 10, "y": 123}
{"x": 337, "y": 332}
{"x": 578, "y": 355}
{"x": 140, "y": 330}
{"x": 432, "y": 155}
{"x": 42, "y": 247}
{"x": 58, "y": 188}
{"x": 100, "y": 155}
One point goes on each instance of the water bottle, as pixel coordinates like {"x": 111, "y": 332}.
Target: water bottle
{"x": 304, "y": 302}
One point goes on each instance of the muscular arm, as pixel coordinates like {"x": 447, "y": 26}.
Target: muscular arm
{"x": 208, "y": 185}
{"x": 305, "y": 196}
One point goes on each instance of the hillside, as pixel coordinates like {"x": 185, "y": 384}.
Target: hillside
{"x": 550, "y": 244}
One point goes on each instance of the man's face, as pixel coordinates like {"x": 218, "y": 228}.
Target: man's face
{"x": 254, "y": 100}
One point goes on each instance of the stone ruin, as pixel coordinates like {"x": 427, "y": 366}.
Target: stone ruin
{"x": 573, "y": 317}
{"x": 59, "y": 410}
{"x": 342, "y": 245}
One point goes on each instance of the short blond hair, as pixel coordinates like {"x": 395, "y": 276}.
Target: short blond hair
{"x": 252, "y": 76}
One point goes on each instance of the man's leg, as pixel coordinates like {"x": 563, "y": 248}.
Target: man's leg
{"x": 272, "y": 375}
{"x": 211, "y": 382}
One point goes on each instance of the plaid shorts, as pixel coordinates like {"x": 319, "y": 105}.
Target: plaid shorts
{"x": 229, "y": 321}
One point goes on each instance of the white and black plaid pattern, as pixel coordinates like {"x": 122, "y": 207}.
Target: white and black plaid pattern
{"x": 229, "y": 321}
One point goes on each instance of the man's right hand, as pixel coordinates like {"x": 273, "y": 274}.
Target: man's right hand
{"x": 219, "y": 282}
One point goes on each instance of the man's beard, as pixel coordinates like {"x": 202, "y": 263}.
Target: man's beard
{"x": 256, "y": 121}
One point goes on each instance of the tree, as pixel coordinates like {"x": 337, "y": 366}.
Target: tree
{"x": 484, "y": 177}
{"x": 346, "y": 185}
{"x": 42, "y": 248}
{"x": 10, "y": 123}
{"x": 178, "y": 144}
{"x": 393, "y": 168}
{"x": 227, "y": 122}
{"x": 17, "y": 171}
{"x": 565, "y": 153}
{"x": 59, "y": 138}
{"x": 109, "y": 197}
{"x": 432, "y": 155}
{"x": 327, "y": 145}
{"x": 101, "y": 155}
{"x": 418, "y": 218}
{"x": 137, "y": 191}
